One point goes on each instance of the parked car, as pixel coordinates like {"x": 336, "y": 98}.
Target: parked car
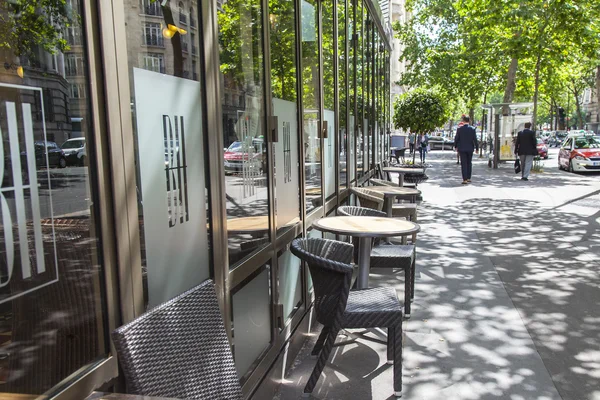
{"x": 56, "y": 155}
{"x": 72, "y": 148}
{"x": 440, "y": 142}
{"x": 236, "y": 155}
{"x": 580, "y": 154}
{"x": 542, "y": 148}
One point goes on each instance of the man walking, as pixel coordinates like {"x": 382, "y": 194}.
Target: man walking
{"x": 526, "y": 148}
{"x": 466, "y": 143}
{"x": 411, "y": 142}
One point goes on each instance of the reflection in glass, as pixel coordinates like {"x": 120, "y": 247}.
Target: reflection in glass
{"x": 342, "y": 92}
{"x": 328, "y": 97}
{"x": 352, "y": 56}
{"x": 51, "y": 301}
{"x": 284, "y": 107}
{"x": 360, "y": 89}
{"x": 251, "y": 312}
{"x": 163, "y": 59}
{"x": 245, "y": 153}
{"x": 310, "y": 98}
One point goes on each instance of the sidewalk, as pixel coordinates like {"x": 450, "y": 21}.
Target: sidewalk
{"x": 507, "y": 294}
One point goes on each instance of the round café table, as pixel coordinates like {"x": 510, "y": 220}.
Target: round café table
{"x": 404, "y": 171}
{"x": 391, "y": 192}
{"x": 365, "y": 229}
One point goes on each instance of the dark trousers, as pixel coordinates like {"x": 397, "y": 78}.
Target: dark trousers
{"x": 412, "y": 147}
{"x": 466, "y": 164}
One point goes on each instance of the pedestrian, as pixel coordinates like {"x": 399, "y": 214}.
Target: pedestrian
{"x": 411, "y": 142}
{"x": 422, "y": 144}
{"x": 466, "y": 143}
{"x": 526, "y": 149}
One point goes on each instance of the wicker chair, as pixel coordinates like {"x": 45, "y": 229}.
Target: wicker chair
{"x": 384, "y": 182}
{"x": 337, "y": 307}
{"x": 179, "y": 349}
{"x": 388, "y": 255}
{"x": 373, "y": 200}
{"x": 368, "y": 198}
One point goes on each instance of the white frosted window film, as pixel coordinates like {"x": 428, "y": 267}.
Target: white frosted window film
{"x": 286, "y": 163}
{"x": 329, "y": 116}
{"x": 290, "y": 283}
{"x": 171, "y": 166}
{"x": 251, "y": 321}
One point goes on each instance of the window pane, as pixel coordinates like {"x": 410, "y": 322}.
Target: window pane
{"x": 51, "y": 276}
{"x": 310, "y": 85}
{"x": 328, "y": 97}
{"x": 169, "y": 148}
{"x": 245, "y": 153}
{"x": 282, "y": 30}
{"x": 342, "y": 91}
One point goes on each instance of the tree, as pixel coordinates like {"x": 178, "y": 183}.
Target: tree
{"x": 420, "y": 111}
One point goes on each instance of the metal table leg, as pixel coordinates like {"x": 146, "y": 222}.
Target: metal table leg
{"x": 401, "y": 179}
{"x": 364, "y": 261}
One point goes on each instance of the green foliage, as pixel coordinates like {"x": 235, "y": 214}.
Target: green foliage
{"x": 25, "y": 24}
{"x": 420, "y": 111}
{"x": 466, "y": 47}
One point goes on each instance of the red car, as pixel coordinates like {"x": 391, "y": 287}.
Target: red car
{"x": 542, "y": 148}
{"x": 580, "y": 153}
{"x": 237, "y": 156}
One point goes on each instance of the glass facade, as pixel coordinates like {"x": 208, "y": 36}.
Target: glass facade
{"x": 153, "y": 145}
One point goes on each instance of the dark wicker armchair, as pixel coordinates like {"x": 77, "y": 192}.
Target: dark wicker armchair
{"x": 179, "y": 349}
{"x": 337, "y": 307}
{"x": 389, "y": 255}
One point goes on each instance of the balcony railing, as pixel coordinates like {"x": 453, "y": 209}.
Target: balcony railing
{"x": 194, "y": 50}
{"x": 192, "y": 22}
{"x": 154, "y": 40}
{"x": 153, "y": 9}
{"x": 182, "y": 19}
{"x": 184, "y": 47}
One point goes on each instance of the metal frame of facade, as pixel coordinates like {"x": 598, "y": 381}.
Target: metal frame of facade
{"x": 115, "y": 177}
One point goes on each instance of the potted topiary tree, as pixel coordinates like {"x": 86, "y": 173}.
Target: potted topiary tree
{"x": 420, "y": 111}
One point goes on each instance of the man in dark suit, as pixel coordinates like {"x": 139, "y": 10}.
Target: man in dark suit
{"x": 526, "y": 148}
{"x": 465, "y": 143}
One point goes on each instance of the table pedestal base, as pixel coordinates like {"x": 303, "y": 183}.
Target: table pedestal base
{"x": 364, "y": 261}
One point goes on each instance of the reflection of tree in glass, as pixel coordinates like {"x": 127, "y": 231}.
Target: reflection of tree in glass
{"x": 283, "y": 49}
{"x": 327, "y": 49}
{"x": 26, "y": 24}
{"x": 239, "y": 40}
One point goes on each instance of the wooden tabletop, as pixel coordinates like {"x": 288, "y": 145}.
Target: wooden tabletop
{"x": 248, "y": 224}
{"x": 366, "y": 226}
{"x": 253, "y": 224}
{"x": 417, "y": 171}
{"x": 394, "y": 190}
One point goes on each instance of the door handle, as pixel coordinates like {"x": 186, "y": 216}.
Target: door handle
{"x": 325, "y": 131}
{"x": 274, "y": 127}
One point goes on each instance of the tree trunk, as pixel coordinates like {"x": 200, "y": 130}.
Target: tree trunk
{"x": 511, "y": 84}
{"x": 598, "y": 96}
{"x": 580, "y": 118}
{"x": 536, "y": 91}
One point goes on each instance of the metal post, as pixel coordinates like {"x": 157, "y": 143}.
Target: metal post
{"x": 496, "y": 141}
{"x": 364, "y": 260}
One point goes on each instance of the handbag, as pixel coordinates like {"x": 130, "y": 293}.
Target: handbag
{"x": 517, "y": 166}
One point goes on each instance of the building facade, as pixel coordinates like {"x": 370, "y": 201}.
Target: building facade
{"x": 215, "y": 133}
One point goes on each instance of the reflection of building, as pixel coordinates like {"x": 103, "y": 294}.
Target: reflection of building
{"x": 45, "y": 71}
{"x": 147, "y": 45}
{"x": 591, "y": 109}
